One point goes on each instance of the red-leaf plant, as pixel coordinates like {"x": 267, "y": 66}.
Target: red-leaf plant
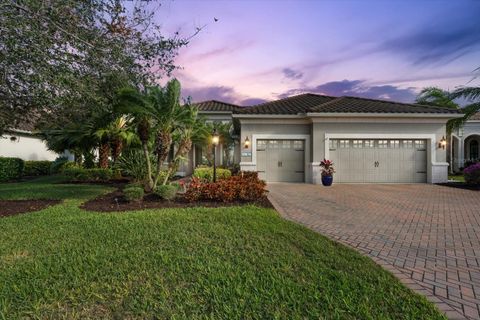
{"x": 327, "y": 167}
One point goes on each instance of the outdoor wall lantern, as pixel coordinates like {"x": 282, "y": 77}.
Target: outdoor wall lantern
{"x": 215, "y": 141}
{"x": 246, "y": 144}
{"x": 443, "y": 143}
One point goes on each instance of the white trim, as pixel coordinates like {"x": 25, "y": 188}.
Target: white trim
{"x": 305, "y": 137}
{"x": 276, "y": 121}
{"x": 385, "y": 115}
{"x": 426, "y": 136}
{"x": 269, "y": 116}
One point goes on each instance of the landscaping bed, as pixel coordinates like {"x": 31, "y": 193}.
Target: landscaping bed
{"x": 461, "y": 185}
{"x": 115, "y": 201}
{"x": 12, "y": 207}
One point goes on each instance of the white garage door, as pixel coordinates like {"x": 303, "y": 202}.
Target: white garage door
{"x": 388, "y": 161}
{"x": 281, "y": 160}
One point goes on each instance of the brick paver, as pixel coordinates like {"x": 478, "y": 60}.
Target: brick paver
{"x": 427, "y": 235}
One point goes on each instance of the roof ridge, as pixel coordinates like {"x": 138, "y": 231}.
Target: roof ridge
{"x": 294, "y": 96}
{"x": 336, "y": 99}
{"x": 218, "y": 101}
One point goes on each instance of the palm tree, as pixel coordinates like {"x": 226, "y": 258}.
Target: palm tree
{"x": 155, "y": 112}
{"x": 472, "y": 94}
{"x": 434, "y": 96}
{"x": 116, "y": 134}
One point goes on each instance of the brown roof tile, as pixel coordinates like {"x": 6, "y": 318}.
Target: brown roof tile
{"x": 216, "y": 106}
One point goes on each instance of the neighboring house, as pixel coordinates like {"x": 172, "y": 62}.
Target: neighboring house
{"x": 370, "y": 141}
{"x": 465, "y": 143}
{"x": 24, "y": 144}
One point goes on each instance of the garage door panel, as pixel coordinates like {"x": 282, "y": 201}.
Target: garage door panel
{"x": 284, "y": 160}
{"x": 384, "y": 161}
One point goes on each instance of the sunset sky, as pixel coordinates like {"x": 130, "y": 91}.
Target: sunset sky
{"x": 263, "y": 50}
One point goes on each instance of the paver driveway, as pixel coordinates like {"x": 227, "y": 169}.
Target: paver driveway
{"x": 427, "y": 235}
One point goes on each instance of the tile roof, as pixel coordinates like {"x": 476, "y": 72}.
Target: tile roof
{"x": 363, "y": 105}
{"x": 291, "y": 105}
{"x": 216, "y": 106}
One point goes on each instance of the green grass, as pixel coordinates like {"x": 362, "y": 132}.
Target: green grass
{"x": 197, "y": 263}
{"x": 457, "y": 177}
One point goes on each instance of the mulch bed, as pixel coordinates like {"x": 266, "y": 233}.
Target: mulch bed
{"x": 13, "y": 207}
{"x": 116, "y": 202}
{"x": 461, "y": 185}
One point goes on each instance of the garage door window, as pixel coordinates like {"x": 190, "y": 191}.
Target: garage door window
{"x": 369, "y": 144}
{"x": 420, "y": 144}
{"x": 286, "y": 144}
{"x": 261, "y": 145}
{"x": 357, "y": 144}
{"x": 298, "y": 145}
{"x": 344, "y": 144}
{"x": 332, "y": 144}
{"x": 395, "y": 144}
{"x": 382, "y": 144}
{"x": 407, "y": 144}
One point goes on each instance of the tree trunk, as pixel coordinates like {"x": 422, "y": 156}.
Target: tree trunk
{"x": 103, "y": 152}
{"x": 183, "y": 150}
{"x": 149, "y": 166}
{"x": 117, "y": 147}
{"x": 164, "y": 142}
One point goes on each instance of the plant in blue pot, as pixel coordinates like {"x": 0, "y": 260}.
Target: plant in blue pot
{"x": 327, "y": 172}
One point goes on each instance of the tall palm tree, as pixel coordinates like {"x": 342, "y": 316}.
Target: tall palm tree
{"x": 472, "y": 95}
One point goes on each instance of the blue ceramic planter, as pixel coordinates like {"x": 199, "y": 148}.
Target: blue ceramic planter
{"x": 327, "y": 180}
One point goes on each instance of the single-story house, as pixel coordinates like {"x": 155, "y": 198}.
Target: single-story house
{"x": 23, "y": 143}
{"x": 465, "y": 142}
{"x": 370, "y": 141}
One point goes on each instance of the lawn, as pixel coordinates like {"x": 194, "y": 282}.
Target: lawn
{"x": 457, "y": 178}
{"x": 198, "y": 263}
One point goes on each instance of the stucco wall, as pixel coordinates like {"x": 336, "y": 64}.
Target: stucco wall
{"x": 26, "y": 148}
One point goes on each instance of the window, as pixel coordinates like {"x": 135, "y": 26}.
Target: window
{"x": 332, "y": 144}
{"x": 382, "y": 144}
{"x": 286, "y": 144}
{"x": 394, "y": 144}
{"x": 344, "y": 144}
{"x": 357, "y": 144}
{"x": 261, "y": 144}
{"x": 273, "y": 144}
{"x": 420, "y": 144}
{"x": 407, "y": 144}
{"x": 298, "y": 144}
{"x": 369, "y": 143}
{"x": 473, "y": 150}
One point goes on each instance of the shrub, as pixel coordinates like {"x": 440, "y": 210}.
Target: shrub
{"x": 472, "y": 174}
{"x": 96, "y": 174}
{"x": 132, "y": 164}
{"x": 246, "y": 186}
{"x": 60, "y": 164}
{"x": 37, "y": 168}
{"x": 167, "y": 191}
{"x": 206, "y": 173}
{"x": 11, "y": 168}
{"x": 133, "y": 193}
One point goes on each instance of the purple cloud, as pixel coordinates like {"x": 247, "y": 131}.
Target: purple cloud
{"x": 292, "y": 74}
{"x": 220, "y": 93}
{"x": 252, "y": 101}
{"x": 358, "y": 88}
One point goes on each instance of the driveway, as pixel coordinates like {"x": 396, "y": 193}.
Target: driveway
{"x": 427, "y": 235}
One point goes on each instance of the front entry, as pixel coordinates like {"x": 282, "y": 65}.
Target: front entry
{"x": 379, "y": 161}
{"x": 281, "y": 160}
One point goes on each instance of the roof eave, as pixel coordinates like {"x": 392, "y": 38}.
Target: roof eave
{"x": 384, "y": 114}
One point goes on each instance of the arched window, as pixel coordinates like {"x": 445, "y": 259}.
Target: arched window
{"x": 474, "y": 150}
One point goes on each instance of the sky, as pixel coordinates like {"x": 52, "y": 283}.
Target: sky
{"x": 262, "y": 50}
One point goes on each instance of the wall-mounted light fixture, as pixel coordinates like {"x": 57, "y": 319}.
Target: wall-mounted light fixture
{"x": 443, "y": 143}
{"x": 246, "y": 144}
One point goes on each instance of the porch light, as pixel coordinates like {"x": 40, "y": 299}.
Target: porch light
{"x": 215, "y": 141}
{"x": 215, "y": 137}
{"x": 443, "y": 143}
{"x": 246, "y": 144}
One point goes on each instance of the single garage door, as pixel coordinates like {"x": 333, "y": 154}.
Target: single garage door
{"x": 388, "y": 161}
{"x": 281, "y": 160}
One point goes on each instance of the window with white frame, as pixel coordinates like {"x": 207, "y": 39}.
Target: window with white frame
{"x": 420, "y": 144}
{"x": 261, "y": 145}
{"x": 382, "y": 144}
{"x": 369, "y": 143}
{"x": 357, "y": 144}
{"x": 332, "y": 144}
{"x": 407, "y": 144}
{"x": 395, "y": 144}
{"x": 344, "y": 144}
{"x": 298, "y": 144}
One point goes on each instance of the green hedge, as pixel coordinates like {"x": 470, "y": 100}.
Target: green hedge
{"x": 167, "y": 191}
{"x": 206, "y": 173}
{"x": 11, "y": 168}
{"x": 80, "y": 174}
{"x": 133, "y": 193}
{"x": 37, "y": 168}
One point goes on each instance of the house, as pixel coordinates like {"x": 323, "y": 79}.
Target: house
{"x": 22, "y": 143}
{"x": 465, "y": 141}
{"x": 370, "y": 141}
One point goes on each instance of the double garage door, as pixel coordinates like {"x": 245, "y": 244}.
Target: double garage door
{"x": 281, "y": 160}
{"x": 360, "y": 161}
{"x": 382, "y": 161}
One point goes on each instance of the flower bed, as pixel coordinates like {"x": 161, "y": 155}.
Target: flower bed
{"x": 472, "y": 174}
